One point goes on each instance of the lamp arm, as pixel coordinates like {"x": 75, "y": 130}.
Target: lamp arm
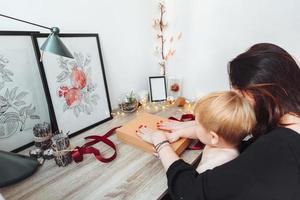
{"x": 53, "y": 44}
{"x": 26, "y": 22}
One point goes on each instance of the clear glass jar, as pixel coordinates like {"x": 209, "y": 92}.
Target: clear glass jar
{"x": 129, "y": 102}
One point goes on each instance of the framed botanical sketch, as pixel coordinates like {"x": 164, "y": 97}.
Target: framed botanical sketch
{"x": 76, "y": 88}
{"x": 158, "y": 88}
{"x": 22, "y": 99}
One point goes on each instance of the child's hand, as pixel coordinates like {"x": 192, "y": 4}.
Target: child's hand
{"x": 173, "y": 136}
{"x": 151, "y": 136}
{"x": 178, "y": 129}
{"x": 187, "y": 132}
{"x": 172, "y": 125}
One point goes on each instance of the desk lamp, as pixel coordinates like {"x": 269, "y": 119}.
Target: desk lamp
{"x": 53, "y": 44}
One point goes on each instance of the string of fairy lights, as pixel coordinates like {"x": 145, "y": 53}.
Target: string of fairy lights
{"x": 155, "y": 107}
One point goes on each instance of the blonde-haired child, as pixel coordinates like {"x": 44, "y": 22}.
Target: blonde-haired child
{"x": 222, "y": 121}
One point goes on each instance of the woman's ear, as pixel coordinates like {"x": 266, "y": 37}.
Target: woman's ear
{"x": 214, "y": 138}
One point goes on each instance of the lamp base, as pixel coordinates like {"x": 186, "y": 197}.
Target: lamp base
{"x": 15, "y": 167}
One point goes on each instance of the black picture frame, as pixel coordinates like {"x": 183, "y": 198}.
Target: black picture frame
{"x": 27, "y": 85}
{"x": 153, "y": 88}
{"x": 71, "y": 40}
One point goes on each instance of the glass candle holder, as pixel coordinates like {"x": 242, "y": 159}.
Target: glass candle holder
{"x": 144, "y": 97}
{"x": 61, "y": 149}
{"x": 174, "y": 87}
{"x": 42, "y": 135}
{"x": 129, "y": 102}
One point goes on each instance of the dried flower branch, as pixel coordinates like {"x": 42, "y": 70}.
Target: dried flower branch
{"x": 160, "y": 25}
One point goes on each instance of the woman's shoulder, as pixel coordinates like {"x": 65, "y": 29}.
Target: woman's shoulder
{"x": 276, "y": 135}
{"x": 283, "y": 134}
{"x": 279, "y": 140}
{"x": 286, "y": 137}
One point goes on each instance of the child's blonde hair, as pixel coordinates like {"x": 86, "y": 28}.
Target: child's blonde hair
{"x": 228, "y": 114}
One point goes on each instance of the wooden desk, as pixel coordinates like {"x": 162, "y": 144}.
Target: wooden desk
{"x": 134, "y": 174}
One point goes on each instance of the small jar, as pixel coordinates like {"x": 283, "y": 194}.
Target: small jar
{"x": 61, "y": 149}
{"x": 129, "y": 102}
{"x": 175, "y": 88}
{"x": 42, "y": 135}
{"x": 144, "y": 97}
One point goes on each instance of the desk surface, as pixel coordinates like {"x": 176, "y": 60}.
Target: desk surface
{"x": 134, "y": 174}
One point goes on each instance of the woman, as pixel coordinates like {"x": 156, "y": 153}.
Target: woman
{"x": 270, "y": 167}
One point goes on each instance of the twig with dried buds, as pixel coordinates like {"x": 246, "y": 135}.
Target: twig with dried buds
{"x": 161, "y": 25}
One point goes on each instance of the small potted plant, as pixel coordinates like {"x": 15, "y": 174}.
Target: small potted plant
{"x": 129, "y": 102}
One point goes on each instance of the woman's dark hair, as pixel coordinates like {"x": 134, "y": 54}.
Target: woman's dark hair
{"x": 271, "y": 77}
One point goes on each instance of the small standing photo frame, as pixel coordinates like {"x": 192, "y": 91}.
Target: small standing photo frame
{"x": 158, "y": 89}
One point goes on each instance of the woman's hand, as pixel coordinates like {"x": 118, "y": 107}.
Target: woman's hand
{"x": 151, "y": 136}
{"x": 166, "y": 153}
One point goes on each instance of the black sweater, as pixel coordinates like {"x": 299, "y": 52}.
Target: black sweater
{"x": 269, "y": 169}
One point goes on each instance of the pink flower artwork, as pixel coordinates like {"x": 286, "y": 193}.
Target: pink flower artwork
{"x": 77, "y": 90}
{"x": 71, "y": 95}
{"x": 78, "y": 78}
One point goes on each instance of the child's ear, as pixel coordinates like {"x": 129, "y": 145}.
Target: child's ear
{"x": 214, "y": 138}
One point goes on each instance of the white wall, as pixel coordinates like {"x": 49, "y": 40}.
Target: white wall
{"x": 124, "y": 27}
{"x": 214, "y": 31}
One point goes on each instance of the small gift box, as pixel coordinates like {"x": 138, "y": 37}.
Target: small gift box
{"x": 61, "y": 149}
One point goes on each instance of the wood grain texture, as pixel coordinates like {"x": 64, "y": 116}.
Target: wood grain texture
{"x": 134, "y": 174}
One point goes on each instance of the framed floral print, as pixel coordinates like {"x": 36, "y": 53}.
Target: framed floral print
{"x": 22, "y": 99}
{"x": 76, "y": 88}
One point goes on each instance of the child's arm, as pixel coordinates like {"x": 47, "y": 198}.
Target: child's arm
{"x": 172, "y": 125}
{"x": 165, "y": 151}
{"x": 189, "y": 132}
{"x": 178, "y": 129}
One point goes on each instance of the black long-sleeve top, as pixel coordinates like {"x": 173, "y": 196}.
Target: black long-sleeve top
{"x": 269, "y": 169}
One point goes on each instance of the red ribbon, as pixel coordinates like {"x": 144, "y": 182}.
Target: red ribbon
{"x": 78, "y": 152}
{"x": 184, "y": 118}
{"x": 189, "y": 117}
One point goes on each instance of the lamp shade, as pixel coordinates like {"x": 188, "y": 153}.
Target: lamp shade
{"x": 53, "y": 44}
